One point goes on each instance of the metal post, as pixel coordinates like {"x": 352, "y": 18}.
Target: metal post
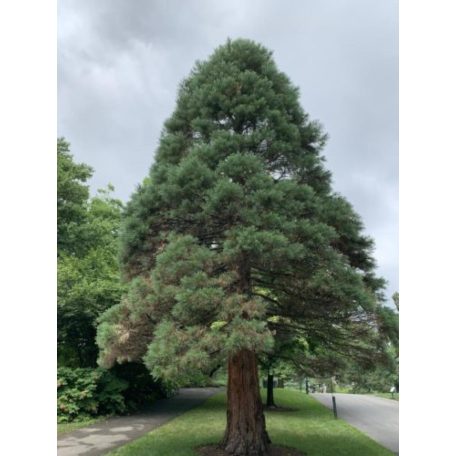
{"x": 333, "y": 398}
{"x": 334, "y": 407}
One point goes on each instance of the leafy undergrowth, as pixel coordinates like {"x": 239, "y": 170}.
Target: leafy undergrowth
{"x": 310, "y": 429}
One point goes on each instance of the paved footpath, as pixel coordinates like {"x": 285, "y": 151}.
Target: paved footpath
{"x": 375, "y": 416}
{"x": 102, "y": 437}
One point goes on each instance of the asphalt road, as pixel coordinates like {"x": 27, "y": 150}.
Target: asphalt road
{"x": 375, "y": 416}
{"x": 102, "y": 437}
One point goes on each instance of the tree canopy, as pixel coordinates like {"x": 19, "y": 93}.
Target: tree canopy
{"x": 72, "y": 198}
{"x": 87, "y": 270}
{"x": 236, "y": 236}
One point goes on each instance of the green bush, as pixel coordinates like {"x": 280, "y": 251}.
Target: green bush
{"x": 86, "y": 392}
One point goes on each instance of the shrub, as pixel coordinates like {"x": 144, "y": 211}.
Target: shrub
{"x": 86, "y": 392}
{"x": 89, "y": 392}
{"x": 142, "y": 389}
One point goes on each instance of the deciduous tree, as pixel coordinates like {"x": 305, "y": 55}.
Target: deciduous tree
{"x": 88, "y": 276}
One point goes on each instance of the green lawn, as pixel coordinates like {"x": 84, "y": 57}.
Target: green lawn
{"x": 388, "y": 396}
{"x": 312, "y": 429}
{"x": 63, "y": 428}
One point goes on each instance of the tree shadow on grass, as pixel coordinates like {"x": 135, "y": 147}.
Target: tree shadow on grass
{"x": 279, "y": 408}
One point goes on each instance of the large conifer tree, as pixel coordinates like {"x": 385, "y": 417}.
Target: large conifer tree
{"x": 236, "y": 236}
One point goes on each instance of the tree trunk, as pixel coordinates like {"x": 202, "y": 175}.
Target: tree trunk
{"x": 280, "y": 383}
{"x": 245, "y": 433}
{"x": 270, "y": 395}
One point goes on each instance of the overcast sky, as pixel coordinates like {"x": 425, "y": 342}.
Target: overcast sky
{"x": 120, "y": 62}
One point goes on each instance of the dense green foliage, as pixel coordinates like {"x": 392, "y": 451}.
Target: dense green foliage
{"x": 236, "y": 236}
{"x": 142, "y": 390}
{"x": 88, "y": 271}
{"x": 380, "y": 379}
{"x": 311, "y": 429}
{"x": 72, "y": 197}
{"x": 88, "y": 284}
{"x": 384, "y": 373}
{"x": 86, "y": 392}
{"x": 388, "y": 322}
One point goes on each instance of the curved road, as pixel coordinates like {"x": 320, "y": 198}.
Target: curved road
{"x": 99, "y": 438}
{"x": 375, "y": 416}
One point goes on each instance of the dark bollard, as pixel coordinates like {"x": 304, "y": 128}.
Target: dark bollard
{"x": 334, "y": 407}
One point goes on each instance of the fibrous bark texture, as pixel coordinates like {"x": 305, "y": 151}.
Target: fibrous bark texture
{"x": 245, "y": 433}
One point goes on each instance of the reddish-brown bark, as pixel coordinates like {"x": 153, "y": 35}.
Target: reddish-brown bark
{"x": 245, "y": 433}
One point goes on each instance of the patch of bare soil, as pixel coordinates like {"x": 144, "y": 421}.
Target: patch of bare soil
{"x": 274, "y": 450}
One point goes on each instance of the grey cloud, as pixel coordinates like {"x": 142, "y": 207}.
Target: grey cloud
{"x": 120, "y": 63}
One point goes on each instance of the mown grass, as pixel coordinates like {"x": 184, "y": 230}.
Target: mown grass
{"x": 311, "y": 429}
{"x": 63, "y": 428}
{"x": 388, "y": 396}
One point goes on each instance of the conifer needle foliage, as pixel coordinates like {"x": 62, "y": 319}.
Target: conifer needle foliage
{"x": 236, "y": 234}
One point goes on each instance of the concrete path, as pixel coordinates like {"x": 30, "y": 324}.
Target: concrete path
{"x": 375, "y": 416}
{"x": 102, "y": 437}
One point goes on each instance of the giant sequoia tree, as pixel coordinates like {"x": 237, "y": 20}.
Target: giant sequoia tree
{"x": 236, "y": 236}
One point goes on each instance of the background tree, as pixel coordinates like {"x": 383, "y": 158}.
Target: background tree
{"x": 88, "y": 275}
{"x": 380, "y": 373}
{"x": 72, "y": 199}
{"x": 389, "y": 327}
{"x": 236, "y": 234}
{"x": 289, "y": 359}
{"x": 280, "y": 363}
{"x": 396, "y": 300}
{"x": 388, "y": 324}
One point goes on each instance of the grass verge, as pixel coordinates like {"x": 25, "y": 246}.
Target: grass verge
{"x": 311, "y": 429}
{"x": 64, "y": 428}
{"x": 388, "y": 396}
